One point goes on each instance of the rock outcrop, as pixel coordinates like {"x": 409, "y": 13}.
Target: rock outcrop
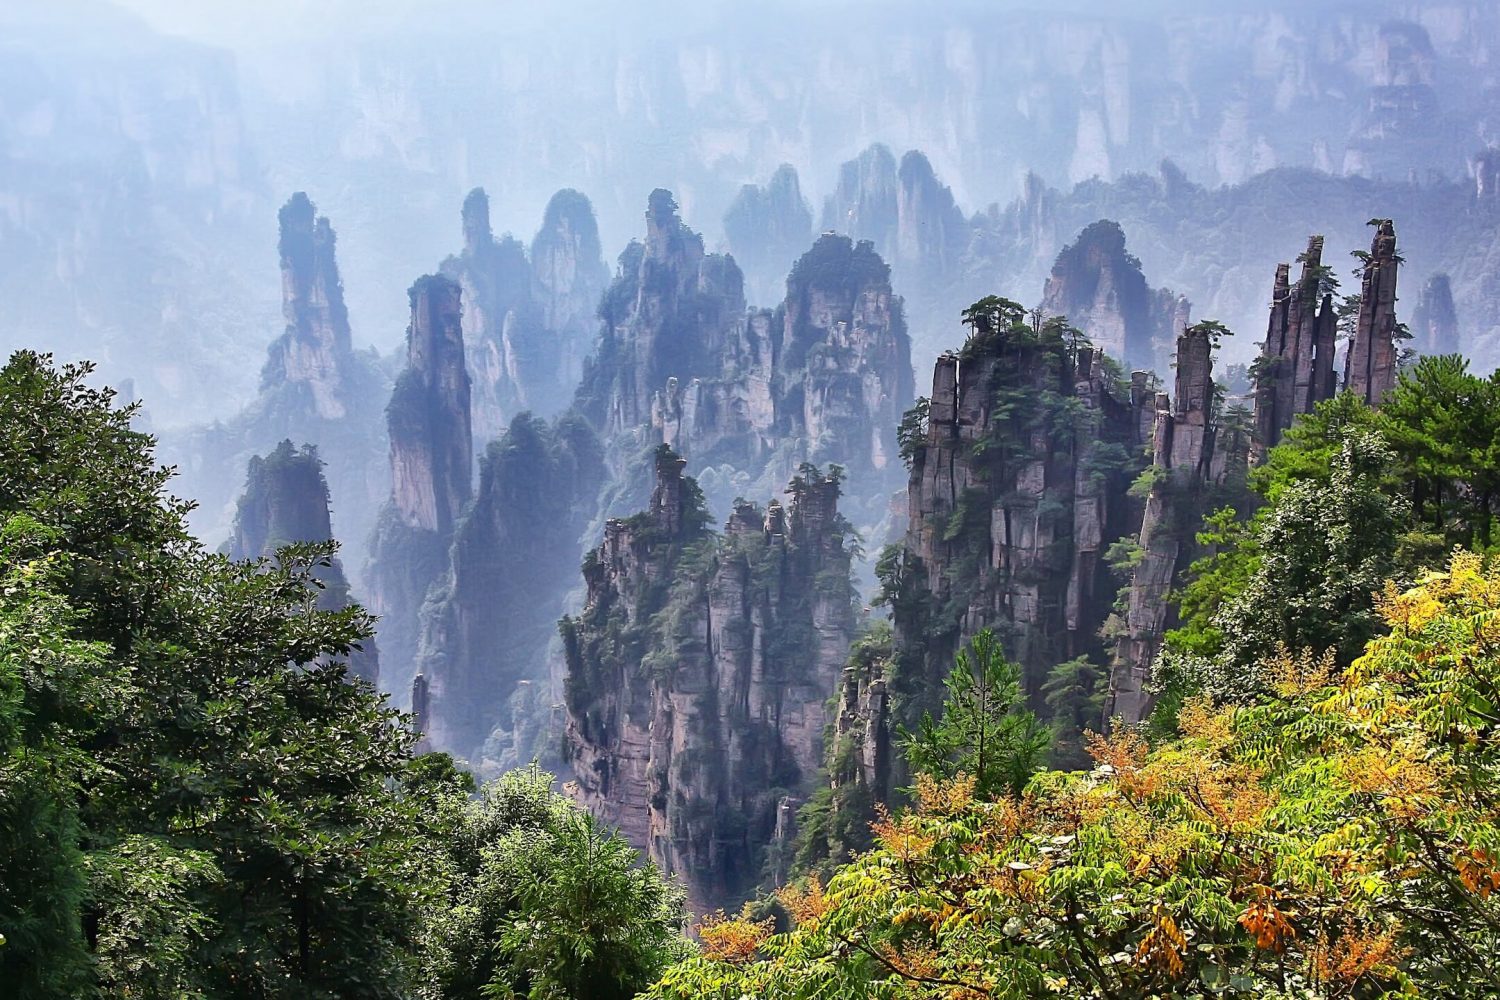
{"x": 1434, "y": 323}
{"x": 528, "y": 318}
{"x": 1182, "y": 451}
{"x": 865, "y": 204}
{"x": 1097, "y": 284}
{"x": 746, "y": 396}
{"x": 431, "y": 457}
{"x": 1370, "y": 365}
{"x": 699, "y": 673}
{"x": 766, "y": 228}
{"x": 514, "y": 558}
{"x": 1295, "y": 371}
{"x": 1017, "y": 487}
{"x": 931, "y": 231}
{"x": 286, "y": 502}
{"x": 315, "y": 387}
{"x": 671, "y": 312}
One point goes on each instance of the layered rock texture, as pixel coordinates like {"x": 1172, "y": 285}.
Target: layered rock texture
{"x": 1434, "y": 323}
{"x": 745, "y": 396}
{"x": 431, "y": 460}
{"x": 767, "y": 227}
{"x": 285, "y": 502}
{"x": 1097, "y": 284}
{"x": 487, "y": 627}
{"x": 1295, "y": 371}
{"x": 699, "y": 673}
{"x": 315, "y": 387}
{"x": 1184, "y": 427}
{"x": 1017, "y": 486}
{"x": 529, "y": 318}
{"x": 1370, "y": 364}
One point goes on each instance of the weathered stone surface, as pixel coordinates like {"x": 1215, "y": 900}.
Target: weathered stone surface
{"x": 1182, "y": 453}
{"x": 1295, "y": 372}
{"x": 1434, "y": 323}
{"x": 315, "y": 350}
{"x": 286, "y": 502}
{"x": 1097, "y": 284}
{"x": 699, "y": 672}
{"x": 528, "y": 318}
{"x": 1370, "y": 365}
{"x": 487, "y": 625}
{"x": 1016, "y": 490}
{"x": 431, "y": 455}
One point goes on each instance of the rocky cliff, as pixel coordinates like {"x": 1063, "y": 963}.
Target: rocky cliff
{"x": 1182, "y": 452}
{"x": 746, "y": 396}
{"x": 488, "y": 625}
{"x": 315, "y": 387}
{"x": 431, "y": 459}
{"x": 671, "y": 312}
{"x": 1370, "y": 364}
{"x": 699, "y": 673}
{"x": 1295, "y": 370}
{"x": 286, "y": 502}
{"x": 1434, "y": 323}
{"x": 766, "y": 228}
{"x": 1097, "y": 284}
{"x": 1018, "y": 485}
{"x": 528, "y": 317}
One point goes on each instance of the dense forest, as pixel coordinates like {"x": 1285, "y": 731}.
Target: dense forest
{"x": 203, "y": 794}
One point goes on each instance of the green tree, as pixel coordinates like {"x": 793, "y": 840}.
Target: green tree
{"x": 539, "y": 901}
{"x": 984, "y": 730}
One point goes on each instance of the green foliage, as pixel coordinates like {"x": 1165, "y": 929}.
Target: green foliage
{"x": 533, "y": 898}
{"x": 912, "y": 432}
{"x": 984, "y": 729}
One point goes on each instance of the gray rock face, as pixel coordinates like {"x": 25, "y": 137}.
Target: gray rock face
{"x": 767, "y": 227}
{"x": 1370, "y": 365}
{"x": 486, "y": 627}
{"x": 865, "y": 203}
{"x": 528, "y": 318}
{"x": 1296, "y": 368}
{"x": 699, "y": 671}
{"x": 1182, "y": 450}
{"x": 431, "y": 456}
{"x": 285, "y": 502}
{"x": 1099, "y": 287}
{"x": 314, "y": 352}
{"x": 670, "y": 312}
{"x": 1016, "y": 490}
{"x": 1434, "y": 323}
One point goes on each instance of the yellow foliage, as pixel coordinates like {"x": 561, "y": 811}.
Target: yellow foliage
{"x": 805, "y": 903}
{"x": 936, "y": 797}
{"x": 733, "y": 939}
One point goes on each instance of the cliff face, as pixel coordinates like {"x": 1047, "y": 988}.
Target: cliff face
{"x": 486, "y": 629}
{"x": 285, "y": 502}
{"x": 431, "y": 470}
{"x": 747, "y": 396}
{"x": 699, "y": 671}
{"x": 1099, "y": 287}
{"x": 314, "y": 352}
{"x": 528, "y": 318}
{"x": 1182, "y": 452}
{"x": 670, "y": 312}
{"x": 865, "y": 202}
{"x": 315, "y": 387}
{"x": 1434, "y": 323}
{"x": 1370, "y": 365}
{"x": 767, "y": 227}
{"x": 1295, "y": 371}
{"x": 931, "y": 232}
{"x": 1016, "y": 489}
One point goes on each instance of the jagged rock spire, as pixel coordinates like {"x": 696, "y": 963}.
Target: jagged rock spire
{"x": 431, "y": 440}
{"x": 1370, "y": 366}
{"x": 1296, "y": 368}
{"x": 476, "y": 221}
{"x": 286, "y": 502}
{"x": 1182, "y": 454}
{"x": 314, "y": 350}
{"x": 1435, "y": 321}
